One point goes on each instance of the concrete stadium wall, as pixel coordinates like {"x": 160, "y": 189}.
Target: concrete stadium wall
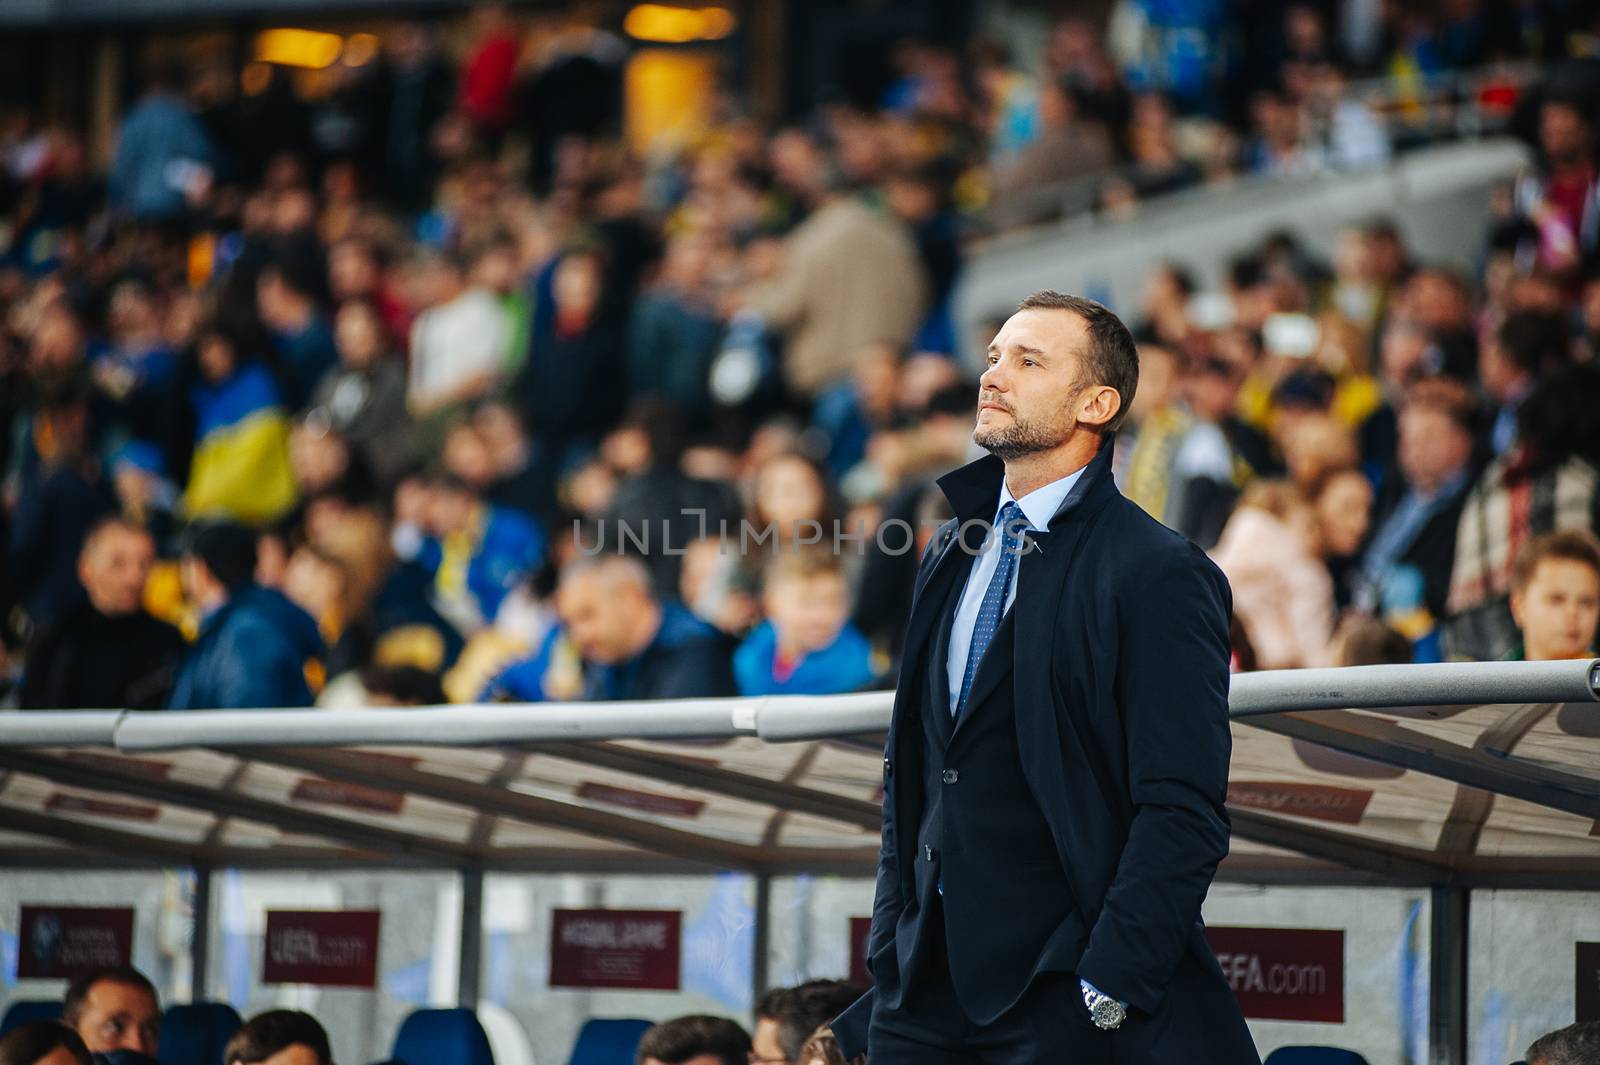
{"x": 1438, "y": 196}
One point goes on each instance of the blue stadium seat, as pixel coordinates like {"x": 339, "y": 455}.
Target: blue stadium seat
{"x": 1314, "y": 1056}
{"x": 196, "y": 1034}
{"x": 430, "y": 1036}
{"x": 28, "y": 1010}
{"x": 608, "y": 1041}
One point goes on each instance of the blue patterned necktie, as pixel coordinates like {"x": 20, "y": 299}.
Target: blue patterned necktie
{"x": 1010, "y": 529}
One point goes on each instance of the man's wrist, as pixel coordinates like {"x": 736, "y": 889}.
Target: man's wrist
{"x": 1106, "y": 1012}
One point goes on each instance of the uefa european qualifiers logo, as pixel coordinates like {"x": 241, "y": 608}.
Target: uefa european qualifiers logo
{"x": 894, "y": 536}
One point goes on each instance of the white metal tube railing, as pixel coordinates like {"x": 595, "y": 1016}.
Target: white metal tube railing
{"x": 776, "y": 718}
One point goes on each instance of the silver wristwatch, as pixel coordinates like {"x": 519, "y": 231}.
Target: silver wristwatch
{"x": 1106, "y": 1012}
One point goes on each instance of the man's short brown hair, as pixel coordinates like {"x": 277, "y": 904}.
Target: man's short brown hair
{"x": 686, "y": 1038}
{"x": 78, "y": 990}
{"x": 273, "y": 1032}
{"x": 1573, "y": 545}
{"x": 1111, "y": 358}
{"x": 1576, "y": 1044}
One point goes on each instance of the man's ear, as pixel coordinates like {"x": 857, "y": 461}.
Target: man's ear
{"x": 1098, "y": 405}
{"x": 1516, "y": 609}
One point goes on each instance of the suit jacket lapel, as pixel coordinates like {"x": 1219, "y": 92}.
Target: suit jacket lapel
{"x": 938, "y": 658}
{"x": 950, "y": 568}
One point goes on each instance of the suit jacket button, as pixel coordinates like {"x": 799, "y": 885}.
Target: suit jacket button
{"x": 888, "y": 766}
{"x": 927, "y": 851}
{"x": 950, "y": 776}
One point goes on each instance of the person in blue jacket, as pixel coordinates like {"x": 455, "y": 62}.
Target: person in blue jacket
{"x": 475, "y": 552}
{"x": 632, "y": 644}
{"x": 807, "y": 646}
{"x": 255, "y": 644}
{"x": 163, "y": 153}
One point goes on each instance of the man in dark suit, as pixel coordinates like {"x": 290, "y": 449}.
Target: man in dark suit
{"x": 1057, "y": 763}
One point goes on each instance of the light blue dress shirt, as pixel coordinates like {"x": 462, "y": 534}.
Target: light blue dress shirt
{"x": 1038, "y": 506}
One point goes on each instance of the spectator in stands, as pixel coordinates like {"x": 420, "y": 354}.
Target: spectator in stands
{"x": 787, "y": 1017}
{"x": 694, "y": 1040}
{"x": 164, "y": 158}
{"x": 317, "y": 582}
{"x": 1184, "y": 466}
{"x": 136, "y": 375}
{"x": 849, "y": 277}
{"x": 658, "y": 499}
{"x": 1404, "y": 574}
{"x": 489, "y": 72}
{"x": 254, "y": 645}
{"x": 807, "y": 646}
{"x": 1035, "y": 185}
{"x": 1282, "y": 592}
{"x": 458, "y": 341}
{"x": 287, "y": 293}
{"x": 1576, "y": 1044}
{"x": 1553, "y": 463}
{"x": 1365, "y": 641}
{"x": 576, "y": 349}
{"x": 823, "y": 1049}
{"x": 848, "y": 413}
{"x": 364, "y": 396}
{"x": 792, "y": 499}
{"x": 635, "y": 646}
{"x": 57, "y": 502}
{"x": 1555, "y": 206}
{"x": 1555, "y": 596}
{"x": 43, "y": 1043}
{"x": 1342, "y": 505}
{"x": 240, "y": 469}
{"x": 1156, "y": 167}
{"x": 114, "y": 1009}
{"x": 105, "y": 651}
{"x": 279, "y": 1037}
{"x": 524, "y": 474}
{"x": 1527, "y": 345}
{"x": 324, "y": 464}
{"x": 674, "y": 330}
{"x": 475, "y": 552}
{"x": 420, "y": 93}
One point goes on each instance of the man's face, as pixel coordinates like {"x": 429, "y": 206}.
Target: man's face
{"x": 1558, "y": 610}
{"x": 1403, "y": 349}
{"x": 114, "y": 569}
{"x": 1028, "y": 397}
{"x": 765, "y": 1045}
{"x": 1562, "y": 132}
{"x": 598, "y": 613}
{"x": 1432, "y": 446}
{"x": 119, "y": 1017}
{"x": 359, "y": 336}
{"x": 809, "y": 611}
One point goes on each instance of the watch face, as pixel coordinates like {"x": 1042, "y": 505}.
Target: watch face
{"x": 1108, "y": 1013}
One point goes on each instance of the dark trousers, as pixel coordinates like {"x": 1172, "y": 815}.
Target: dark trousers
{"x": 1049, "y": 1026}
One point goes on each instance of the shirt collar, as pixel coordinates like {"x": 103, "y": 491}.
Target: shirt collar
{"x": 1041, "y": 504}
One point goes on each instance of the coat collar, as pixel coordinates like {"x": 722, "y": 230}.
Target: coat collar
{"x": 974, "y": 489}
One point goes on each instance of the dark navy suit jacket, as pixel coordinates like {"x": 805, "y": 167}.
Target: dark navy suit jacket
{"x": 1120, "y": 677}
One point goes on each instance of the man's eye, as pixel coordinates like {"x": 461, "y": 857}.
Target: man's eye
{"x": 1027, "y": 362}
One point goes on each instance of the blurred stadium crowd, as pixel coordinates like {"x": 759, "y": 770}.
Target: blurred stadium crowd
{"x": 326, "y": 401}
